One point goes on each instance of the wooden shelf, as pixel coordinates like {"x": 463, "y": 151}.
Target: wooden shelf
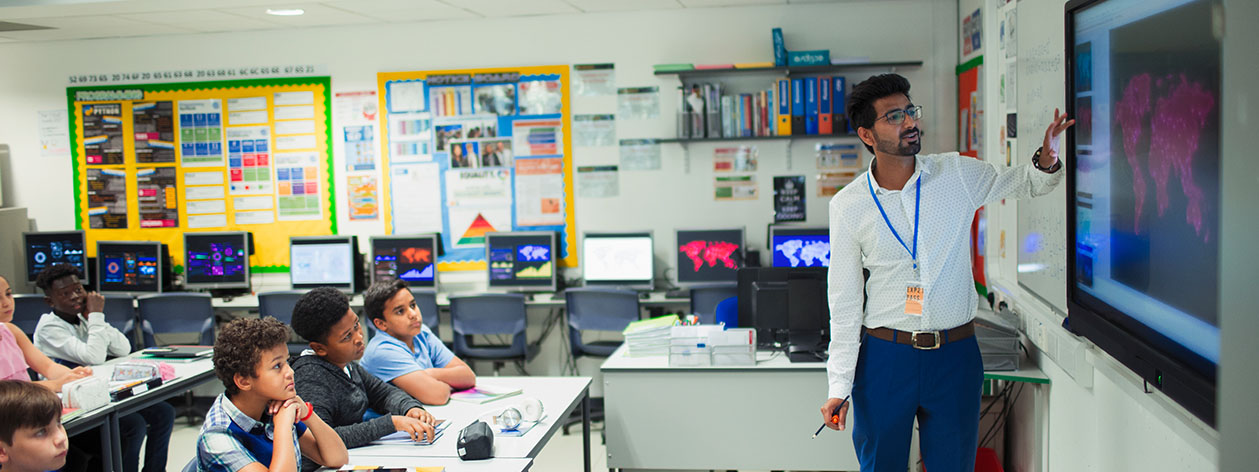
{"x": 793, "y": 70}
{"x": 753, "y": 138}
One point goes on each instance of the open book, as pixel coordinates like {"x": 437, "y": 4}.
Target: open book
{"x": 484, "y": 393}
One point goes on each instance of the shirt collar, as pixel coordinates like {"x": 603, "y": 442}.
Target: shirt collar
{"x": 245, "y": 422}
{"x": 920, "y": 167}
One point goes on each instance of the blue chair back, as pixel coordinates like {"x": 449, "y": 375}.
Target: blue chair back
{"x": 279, "y": 304}
{"x": 598, "y": 309}
{"x": 184, "y": 312}
{"x": 120, "y": 312}
{"x": 704, "y": 299}
{"x": 27, "y": 308}
{"x": 728, "y": 312}
{"x": 491, "y": 313}
{"x": 426, "y": 301}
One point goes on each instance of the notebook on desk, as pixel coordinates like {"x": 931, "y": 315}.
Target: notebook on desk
{"x": 179, "y": 352}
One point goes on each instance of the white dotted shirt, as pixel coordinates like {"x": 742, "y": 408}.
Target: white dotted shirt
{"x": 953, "y": 187}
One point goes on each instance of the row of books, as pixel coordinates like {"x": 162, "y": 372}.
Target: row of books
{"x": 795, "y": 106}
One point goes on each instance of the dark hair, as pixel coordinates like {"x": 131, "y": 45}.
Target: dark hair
{"x": 861, "y": 101}
{"x": 316, "y": 312}
{"x": 26, "y": 405}
{"x": 54, "y": 273}
{"x": 239, "y": 345}
{"x": 380, "y": 292}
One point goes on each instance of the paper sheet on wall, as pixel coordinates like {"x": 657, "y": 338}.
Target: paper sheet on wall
{"x": 204, "y": 193}
{"x": 102, "y": 134}
{"x": 153, "y": 125}
{"x": 263, "y": 217}
{"x": 157, "y": 195}
{"x": 836, "y": 156}
{"x": 477, "y": 188}
{"x": 638, "y": 103}
{"x": 789, "y": 201}
{"x": 540, "y": 191}
{"x": 406, "y": 96}
{"x": 410, "y": 137}
{"x": 356, "y": 108}
{"x": 415, "y": 198}
{"x": 735, "y": 159}
{"x": 829, "y": 183}
{"x": 593, "y": 80}
{"x": 540, "y": 97}
{"x": 468, "y": 225}
{"x": 213, "y": 177}
{"x": 297, "y": 186}
{"x": 207, "y": 221}
{"x": 537, "y": 137}
{"x": 594, "y": 130}
{"x": 201, "y": 133}
{"x": 107, "y": 198}
{"x": 597, "y": 182}
{"x": 357, "y": 113}
{"x": 640, "y": 154}
{"x": 735, "y": 187}
{"x": 202, "y": 207}
{"x": 362, "y": 197}
{"x": 249, "y": 160}
{"x": 54, "y": 133}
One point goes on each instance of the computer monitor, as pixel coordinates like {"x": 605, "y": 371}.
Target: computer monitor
{"x": 786, "y": 305}
{"x": 323, "y": 261}
{"x": 132, "y": 267}
{"x": 708, "y": 255}
{"x": 217, "y": 260}
{"x": 800, "y": 246}
{"x": 411, "y": 258}
{"x": 47, "y": 248}
{"x": 521, "y": 261}
{"x": 618, "y": 259}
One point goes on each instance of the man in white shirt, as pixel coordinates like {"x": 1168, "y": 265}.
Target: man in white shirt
{"x": 911, "y": 352}
{"x": 75, "y": 332}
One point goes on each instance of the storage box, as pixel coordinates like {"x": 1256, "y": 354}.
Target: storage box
{"x": 689, "y": 355}
{"x": 733, "y": 347}
{"x": 819, "y": 57}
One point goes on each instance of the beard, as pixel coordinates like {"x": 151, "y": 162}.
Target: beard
{"x": 901, "y": 146}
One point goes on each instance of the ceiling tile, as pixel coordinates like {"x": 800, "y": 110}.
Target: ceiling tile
{"x": 83, "y": 27}
{"x": 728, "y": 3}
{"x": 402, "y": 10}
{"x": 502, "y": 8}
{"x": 202, "y": 20}
{"x": 624, "y": 5}
{"x": 315, "y": 15}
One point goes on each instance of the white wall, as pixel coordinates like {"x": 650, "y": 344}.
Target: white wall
{"x": 1099, "y": 417}
{"x": 34, "y": 75}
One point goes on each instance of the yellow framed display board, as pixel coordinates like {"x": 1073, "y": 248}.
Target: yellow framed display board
{"x": 153, "y": 161}
{"x": 472, "y": 151}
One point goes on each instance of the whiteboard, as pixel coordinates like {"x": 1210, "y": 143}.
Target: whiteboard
{"x": 1040, "y": 69}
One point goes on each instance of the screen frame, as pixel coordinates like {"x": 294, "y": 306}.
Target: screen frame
{"x": 371, "y": 256}
{"x": 330, "y": 239}
{"x": 555, "y": 258}
{"x": 633, "y": 284}
{"x": 1159, "y": 361}
{"x": 26, "y": 254}
{"x": 743, "y": 256}
{"x": 774, "y": 229}
{"x": 161, "y": 269}
{"x": 244, "y": 235}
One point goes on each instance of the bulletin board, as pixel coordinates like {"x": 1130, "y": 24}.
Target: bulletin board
{"x": 153, "y": 161}
{"x": 472, "y": 151}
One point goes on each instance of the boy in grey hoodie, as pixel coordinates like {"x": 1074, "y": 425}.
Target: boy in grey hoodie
{"x": 330, "y": 378}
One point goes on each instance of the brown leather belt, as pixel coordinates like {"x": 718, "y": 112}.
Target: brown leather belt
{"x": 924, "y": 339}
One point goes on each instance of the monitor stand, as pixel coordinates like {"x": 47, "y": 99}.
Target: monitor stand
{"x": 806, "y": 347}
{"x": 228, "y": 293}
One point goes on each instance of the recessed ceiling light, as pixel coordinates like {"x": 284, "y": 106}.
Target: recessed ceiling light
{"x": 285, "y": 11}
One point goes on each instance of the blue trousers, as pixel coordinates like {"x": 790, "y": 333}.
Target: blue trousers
{"x": 896, "y": 383}
{"x": 155, "y": 423}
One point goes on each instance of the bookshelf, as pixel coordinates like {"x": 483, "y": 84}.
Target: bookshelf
{"x": 754, "y": 138}
{"x": 788, "y": 71}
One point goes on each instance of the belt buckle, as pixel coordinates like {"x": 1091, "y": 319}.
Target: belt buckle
{"x": 935, "y": 336}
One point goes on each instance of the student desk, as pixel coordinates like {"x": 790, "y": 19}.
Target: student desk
{"x": 188, "y": 374}
{"x": 560, "y": 396}
{"x": 753, "y": 417}
{"x": 452, "y": 464}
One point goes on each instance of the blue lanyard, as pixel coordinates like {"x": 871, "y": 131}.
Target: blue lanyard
{"x": 913, "y": 253}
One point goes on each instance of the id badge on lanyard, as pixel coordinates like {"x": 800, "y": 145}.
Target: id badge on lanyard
{"x": 915, "y": 293}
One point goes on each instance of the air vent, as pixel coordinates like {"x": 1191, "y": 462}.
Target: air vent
{"x": 7, "y": 26}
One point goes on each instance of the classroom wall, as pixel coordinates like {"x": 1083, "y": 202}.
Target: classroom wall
{"x": 1099, "y": 417}
{"x": 678, "y": 195}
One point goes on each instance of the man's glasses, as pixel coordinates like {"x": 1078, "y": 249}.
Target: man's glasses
{"x": 896, "y": 117}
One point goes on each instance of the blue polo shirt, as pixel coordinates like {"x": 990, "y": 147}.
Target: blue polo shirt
{"x": 388, "y": 358}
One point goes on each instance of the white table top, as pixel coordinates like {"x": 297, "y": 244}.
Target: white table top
{"x": 452, "y": 464}
{"x": 559, "y": 397}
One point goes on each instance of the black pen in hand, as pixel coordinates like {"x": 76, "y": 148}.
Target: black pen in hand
{"x": 834, "y": 417}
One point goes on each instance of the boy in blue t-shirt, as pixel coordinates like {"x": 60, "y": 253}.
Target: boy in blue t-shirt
{"x": 260, "y": 423}
{"x": 405, "y": 352}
